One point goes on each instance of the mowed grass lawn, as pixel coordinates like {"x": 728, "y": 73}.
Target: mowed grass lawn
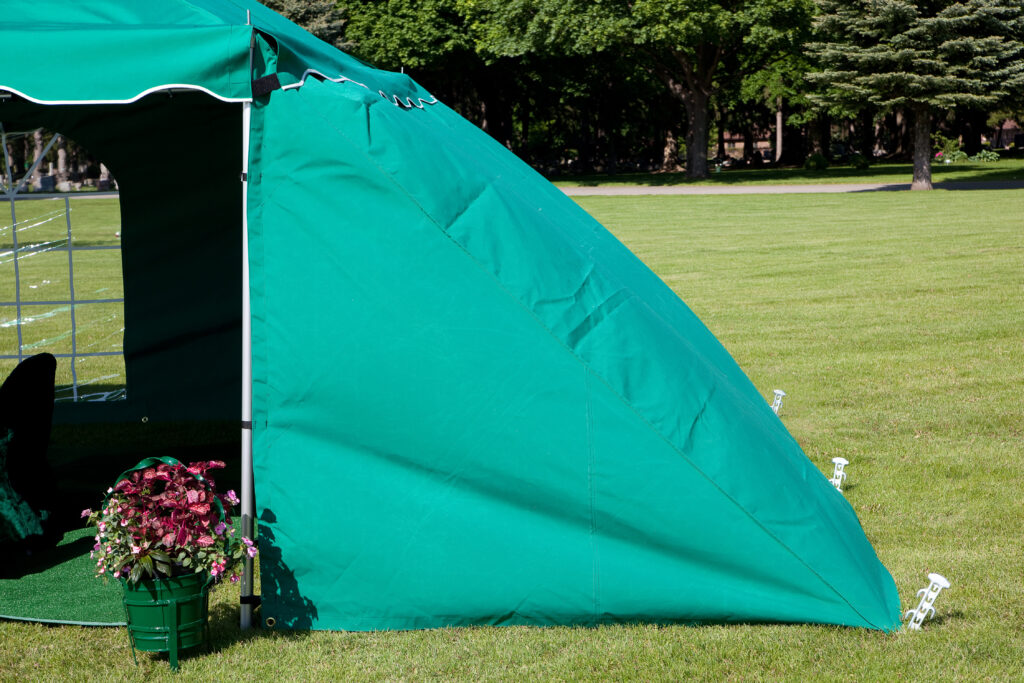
{"x": 43, "y": 271}
{"x": 894, "y": 323}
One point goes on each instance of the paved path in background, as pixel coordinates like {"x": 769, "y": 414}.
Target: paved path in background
{"x": 613, "y": 190}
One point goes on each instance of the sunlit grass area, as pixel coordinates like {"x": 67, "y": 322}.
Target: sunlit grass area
{"x": 43, "y": 278}
{"x": 893, "y": 322}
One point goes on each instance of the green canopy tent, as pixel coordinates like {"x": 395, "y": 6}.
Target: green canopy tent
{"x": 470, "y": 404}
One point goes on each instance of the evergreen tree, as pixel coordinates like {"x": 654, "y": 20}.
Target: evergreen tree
{"x": 921, "y": 57}
{"x": 322, "y": 18}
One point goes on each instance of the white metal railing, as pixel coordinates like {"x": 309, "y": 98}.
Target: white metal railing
{"x": 10, "y": 191}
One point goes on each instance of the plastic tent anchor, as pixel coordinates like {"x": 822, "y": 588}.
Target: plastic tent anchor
{"x": 777, "y": 403}
{"x": 926, "y": 608}
{"x": 838, "y": 475}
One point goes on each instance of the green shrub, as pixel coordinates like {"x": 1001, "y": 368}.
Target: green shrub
{"x": 985, "y": 155}
{"x": 947, "y": 150}
{"x": 859, "y": 161}
{"x": 816, "y": 162}
{"x": 951, "y": 157}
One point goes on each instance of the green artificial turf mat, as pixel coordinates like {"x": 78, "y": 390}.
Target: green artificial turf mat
{"x": 59, "y": 586}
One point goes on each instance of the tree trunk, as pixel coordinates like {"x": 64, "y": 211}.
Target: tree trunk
{"x": 867, "y": 132}
{"x": 696, "y": 102}
{"x": 24, "y": 156}
{"x": 613, "y": 156}
{"x": 670, "y": 153}
{"x": 62, "y": 160}
{"x": 997, "y": 135}
{"x": 695, "y": 97}
{"x": 748, "y": 143}
{"x": 524, "y": 126}
{"x": 922, "y": 148}
{"x": 496, "y": 117}
{"x": 779, "y": 123}
{"x": 823, "y": 136}
{"x": 973, "y": 124}
{"x": 721, "y": 137}
{"x": 899, "y": 130}
{"x": 9, "y": 160}
{"x": 37, "y": 151}
{"x": 794, "y": 145}
{"x": 104, "y": 181}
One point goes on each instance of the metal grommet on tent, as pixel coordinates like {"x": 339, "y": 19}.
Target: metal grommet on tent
{"x": 271, "y": 622}
{"x": 145, "y": 419}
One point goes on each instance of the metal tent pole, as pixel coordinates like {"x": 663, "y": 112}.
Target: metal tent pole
{"x": 248, "y": 501}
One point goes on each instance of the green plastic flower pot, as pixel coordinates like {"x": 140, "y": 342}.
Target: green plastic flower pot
{"x": 167, "y": 615}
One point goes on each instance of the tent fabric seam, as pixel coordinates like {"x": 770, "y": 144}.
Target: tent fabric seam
{"x": 595, "y": 555}
{"x": 587, "y": 366}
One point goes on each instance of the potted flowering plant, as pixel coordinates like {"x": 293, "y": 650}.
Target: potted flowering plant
{"x": 166, "y": 534}
{"x": 163, "y": 519}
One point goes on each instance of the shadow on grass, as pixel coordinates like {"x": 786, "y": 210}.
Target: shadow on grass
{"x": 295, "y": 613}
{"x": 973, "y": 185}
{"x": 959, "y": 173}
{"x": 739, "y": 176}
{"x": 25, "y": 559}
{"x": 225, "y": 633}
{"x": 946, "y": 617}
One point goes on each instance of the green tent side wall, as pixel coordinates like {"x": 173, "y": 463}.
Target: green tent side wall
{"x": 495, "y": 413}
{"x": 472, "y": 405}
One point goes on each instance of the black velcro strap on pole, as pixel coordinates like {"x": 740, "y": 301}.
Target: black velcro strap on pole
{"x": 266, "y": 85}
{"x": 246, "y": 424}
{"x": 250, "y": 600}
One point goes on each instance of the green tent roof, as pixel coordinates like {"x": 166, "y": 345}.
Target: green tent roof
{"x": 108, "y": 51}
{"x": 472, "y": 404}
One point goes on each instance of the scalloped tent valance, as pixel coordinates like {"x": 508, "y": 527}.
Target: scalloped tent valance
{"x": 117, "y": 52}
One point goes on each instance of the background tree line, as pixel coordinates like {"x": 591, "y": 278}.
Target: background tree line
{"x": 614, "y": 85}
{"x": 66, "y": 164}
{"x": 641, "y": 85}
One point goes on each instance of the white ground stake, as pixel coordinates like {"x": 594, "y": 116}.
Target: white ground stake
{"x": 777, "y": 403}
{"x": 925, "y": 609}
{"x": 838, "y": 475}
